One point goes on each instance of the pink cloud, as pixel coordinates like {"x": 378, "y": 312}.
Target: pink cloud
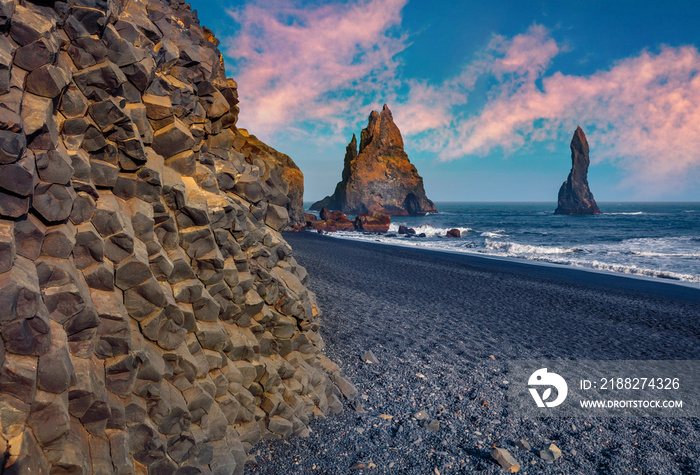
{"x": 643, "y": 113}
{"x": 322, "y": 68}
{"x": 526, "y": 54}
{"x": 426, "y": 107}
{"x": 299, "y": 64}
{"x": 430, "y": 107}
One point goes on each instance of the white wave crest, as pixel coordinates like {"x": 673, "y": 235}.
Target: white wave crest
{"x": 494, "y": 234}
{"x": 634, "y": 270}
{"x": 547, "y": 254}
{"x": 523, "y": 250}
{"x": 429, "y": 230}
{"x": 665, "y": 254}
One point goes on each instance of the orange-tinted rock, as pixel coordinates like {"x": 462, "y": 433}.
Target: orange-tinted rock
{"x": 337, "y": 219}
{"x": 380, "y": 177}
{"x": 326, "y": 214}
{"x": 374, "y": 222}
{"x": 344, "y": 224}
{"x": 331, "y": 226}
{"x": 575, "y": 196}
{"x": 327, "y": 228}
{"x": 453, "y": 233}
{"x": 316, "y": 224}
{"x": 280, "y": 171}
{"x": 293, "y": 175}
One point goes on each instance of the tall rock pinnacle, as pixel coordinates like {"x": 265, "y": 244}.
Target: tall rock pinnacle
{"x": 574, "y": 195}
{"x": 378, "y": 177}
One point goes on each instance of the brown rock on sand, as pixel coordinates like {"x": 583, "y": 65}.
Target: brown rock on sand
{"x": 374, "y": 222}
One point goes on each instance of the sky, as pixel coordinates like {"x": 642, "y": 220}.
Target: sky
{"x": 487, "y": 94}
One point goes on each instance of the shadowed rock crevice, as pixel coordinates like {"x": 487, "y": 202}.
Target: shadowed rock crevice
{"x": 378, "y": 178}
{"x": 575, "y": 196}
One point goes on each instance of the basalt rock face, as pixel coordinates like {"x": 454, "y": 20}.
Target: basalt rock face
{"x": 153, "y": 320}
{"x": 379, "y": 177}
{"x": 291, "y": 192}
{"x": 575, "y": 196}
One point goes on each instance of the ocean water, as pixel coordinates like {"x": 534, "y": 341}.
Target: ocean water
{"x": 658, "y": 240}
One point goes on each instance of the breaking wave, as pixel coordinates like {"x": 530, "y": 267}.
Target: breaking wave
{"x": 650, "y": 240}
{"x": 518, "y": 250}
{"x": 630, "y": 270}
{"x": 494, "y": 234}
{"x": 429, "y": 230}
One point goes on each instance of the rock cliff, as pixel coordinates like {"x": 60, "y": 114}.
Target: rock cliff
{"x": 153, "y": 318}
{"x": 379, "y": 177}
{"x": 574, "y": 195}
{"x": 287, "y": 175}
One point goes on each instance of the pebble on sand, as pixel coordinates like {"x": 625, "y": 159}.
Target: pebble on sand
{"x": 505, "y": 460}
{"x": 550, "y": 454}
{"x": 421, "y": 415}
{"x": 369, "y": 358}
{"x": 524, "y": 444}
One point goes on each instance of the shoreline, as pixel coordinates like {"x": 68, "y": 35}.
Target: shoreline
{"x": 630, "y": 245}
{"x": 516, "y": 261}
{"x": 443, "y": 327}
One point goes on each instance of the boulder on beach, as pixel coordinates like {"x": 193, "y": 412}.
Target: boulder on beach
{"x": 379, "y": 177}
{"x": 406, "y": 230}
{"x": 343, "y": 223}
{"x": 331, "y": 215}
{"x": 575, "y": 196}
{"x": 330, "y": 221}
{"x": 374, "y": 222}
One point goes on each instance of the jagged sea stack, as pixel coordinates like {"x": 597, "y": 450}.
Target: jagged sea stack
{"x": 380, "y": 177}
{"x": 575, "y": 196}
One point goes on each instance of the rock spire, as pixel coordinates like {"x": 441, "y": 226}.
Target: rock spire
{"x": 575, "y": 196}
{"x": 378, "y": 177}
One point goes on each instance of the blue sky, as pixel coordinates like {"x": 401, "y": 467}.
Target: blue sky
{"x": 486, "y": 94}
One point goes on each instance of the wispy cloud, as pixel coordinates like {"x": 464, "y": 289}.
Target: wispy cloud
{"x": 526, "y": 55}
{"x": 299, "y": 64}
{"x": 321, "y": 68}
{"x": 426, "y": 107}
{"x": 642, "y": 114}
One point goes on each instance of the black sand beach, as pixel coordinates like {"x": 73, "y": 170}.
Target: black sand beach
{"x": 442, "y": 327}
